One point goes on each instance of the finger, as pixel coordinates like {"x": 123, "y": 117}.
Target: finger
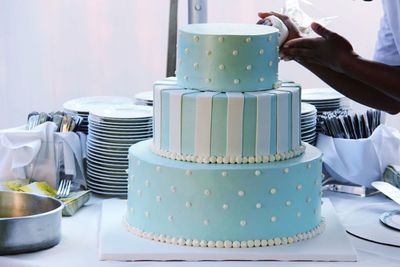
{"x": 302, "y": 43}
{"x": 299, "y": 52}
{"x": 263, "y": 15}
{"x": 321, "y": 30}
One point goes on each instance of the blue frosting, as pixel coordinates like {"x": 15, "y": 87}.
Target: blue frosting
{"x": 186, "y": 200}
{"x": 227, "y": 57}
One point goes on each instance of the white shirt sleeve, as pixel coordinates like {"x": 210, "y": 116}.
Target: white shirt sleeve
{"x": 385, "y": 49}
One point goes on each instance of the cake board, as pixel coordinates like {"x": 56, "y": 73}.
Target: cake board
{"x": 116, "y": 243}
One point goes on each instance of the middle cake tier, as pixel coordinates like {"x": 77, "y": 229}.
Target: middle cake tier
{"x": 232, "y": 127}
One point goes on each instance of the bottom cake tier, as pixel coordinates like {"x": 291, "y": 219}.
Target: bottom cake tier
{"x": 224, "y": 205}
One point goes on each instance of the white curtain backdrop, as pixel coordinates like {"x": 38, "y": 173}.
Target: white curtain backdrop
{"x": 55, "y": 50}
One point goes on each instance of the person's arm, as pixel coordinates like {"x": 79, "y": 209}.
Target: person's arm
{"x": 354, "y": 77}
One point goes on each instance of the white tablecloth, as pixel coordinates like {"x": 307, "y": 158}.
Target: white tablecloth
{"x": 78, "y": 246}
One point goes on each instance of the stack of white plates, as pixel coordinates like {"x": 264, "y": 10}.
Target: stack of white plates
{"x": 308, "y": 123}
{"x": 112, "y": 131}
{"x": 324, "y": 99}
{"x": 144, "y": 98}
{"x": 82, "y": 106}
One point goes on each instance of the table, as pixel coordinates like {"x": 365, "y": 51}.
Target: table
{"x": 78, "y": 246}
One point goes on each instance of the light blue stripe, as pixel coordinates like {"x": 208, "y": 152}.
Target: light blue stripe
{"x": 188, "y": 123}
{"x": 274, "y": 126}
{"x": 218, "y": 124}
{"x": 249, "y": 125}
{"x": 164, "y": 120}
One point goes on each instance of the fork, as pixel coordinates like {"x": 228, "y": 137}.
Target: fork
{"x": 65, "y": 185}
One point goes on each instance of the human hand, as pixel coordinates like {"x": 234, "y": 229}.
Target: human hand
{"x": 293, "y": 30}
{"x": 330, "y": 49}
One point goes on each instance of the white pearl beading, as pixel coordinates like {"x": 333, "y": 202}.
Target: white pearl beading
{"x": 277, "y": 241}
{"x": 230, "y": 159}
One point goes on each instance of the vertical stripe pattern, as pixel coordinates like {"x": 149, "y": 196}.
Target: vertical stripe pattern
{"x": 175, "y": 109}
{"x": 234, "y": 124}
{"x": 283, "y": 117}
{"x": 203, "y": 124}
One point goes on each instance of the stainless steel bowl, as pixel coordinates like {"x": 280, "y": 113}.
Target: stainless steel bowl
{"x": 28, "y": 222}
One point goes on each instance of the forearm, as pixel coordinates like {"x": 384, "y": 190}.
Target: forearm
{"x": 355, "y": 89}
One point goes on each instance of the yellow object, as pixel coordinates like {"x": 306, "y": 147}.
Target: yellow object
{"x": 13, "y": 185}
{"x": 40, "y": 188}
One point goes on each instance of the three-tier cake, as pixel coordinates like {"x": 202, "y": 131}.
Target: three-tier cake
{"x": 226, "y": 166}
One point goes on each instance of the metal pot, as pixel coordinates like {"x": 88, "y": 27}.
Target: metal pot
{"x": 28, "y": 222}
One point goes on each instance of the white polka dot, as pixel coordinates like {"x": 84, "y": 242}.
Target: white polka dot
{"x": 172, "y": 189}
{"x": 308, "y": 200}
{"x": 206, "y": 222}
{"x": 196, "y": 66}
{"x": 270, "y": 63}
{"x": 188, "y": 172}
{"x": 208, "y": 52}
{"x": 188, "y": 204}
{"x": 147, "y": 183}
{"x": 236, "y": 81}
{"x": 235, "y": 52}
{"x": 273, "y": 219}
{"x": 288, "y": 203}
{"x": 225, "y": 206}
{"x": 261, "y": 79}
{"x": 196, "y": 38}
{"x": 221, "y": 39}
{"x": 147, "y": 214}
{"x": 273, "y": 191}
{"x": 240, "y": 193}
{"x": 309, "y": 166}
{"x": 224, "y": 173}
{"x": 158, "y": 198}
{"x": 139, "y": 192}
{"x": 170, "y": 218}
{"x": 242, "y": 222}
{"x": 248, "y": 40}
{"x": 248, "y": 67}
{"x": 207, "y": 192}
{"x": 270, "y": 38}
{"x": 258, "y": 205}
{"x": 286, "y": 170}
{"x": 138, "y": 162}
{"x": 257, "y": 173}
{"x": 261, "y": 51}
{"x": 221, "y": 67}
{"x": 208, "y": 80}
{"x": 185, "y": 77}
{"x": 132, "y": 178}
{"x": 158, "y": 168}
{"x": 299, "y": 187}
{"x": 298, "y": 214}
{"x": 186, "y": 51}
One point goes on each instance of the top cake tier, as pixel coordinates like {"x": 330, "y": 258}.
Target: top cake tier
{"x": 227, "y": 57}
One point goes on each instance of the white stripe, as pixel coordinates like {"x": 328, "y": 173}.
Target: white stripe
{"x": 175, "y": 120}
{"x": 157, "y": 90}
{"x": 234, "y": 124}
{"x": 202, "y": 145}
{"x": 282, "y": 138}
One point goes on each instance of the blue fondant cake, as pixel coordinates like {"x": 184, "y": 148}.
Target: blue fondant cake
{"x": 227, "y": 57}
{"x": 174, "y": 200}
{"x": 226, "y": 167}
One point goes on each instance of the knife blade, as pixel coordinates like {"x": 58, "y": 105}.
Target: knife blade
{"x": 389, "y": 190}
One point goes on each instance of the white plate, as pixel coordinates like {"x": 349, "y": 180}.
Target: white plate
{"x": 106, "y": 170}
{"x": 122, "y": 166}
{"x": 100, "y": 184}
{"x": 106, "y": 193}
{"x": 108, "y": 176}
{"x": 123, "y": 130}
{"x": 121, "y": 124}
{"x": 320, "y": 94}
{"x": 120, "y": 140}
{"x": 145, "y": 96}
{"x": 86, "y": 104}
{"x": 307, "y": 108}
{"x": 109, "y": 148}
{"x": 106, "y": 154}
{"x": 125, "y": 112}
{"x": 139, "y": 135}
{"x": 95, "y": 141}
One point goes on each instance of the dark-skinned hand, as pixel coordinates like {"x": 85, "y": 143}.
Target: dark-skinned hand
{"x": 330, "y": 49}
{"x": 293, "y": 30}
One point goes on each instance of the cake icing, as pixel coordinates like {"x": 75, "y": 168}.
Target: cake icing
{"x": 225, "y": 107}
{"x": 232, "y": 127}
{"x": 227, "y": 57}
{"x": 223, "y": 202}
